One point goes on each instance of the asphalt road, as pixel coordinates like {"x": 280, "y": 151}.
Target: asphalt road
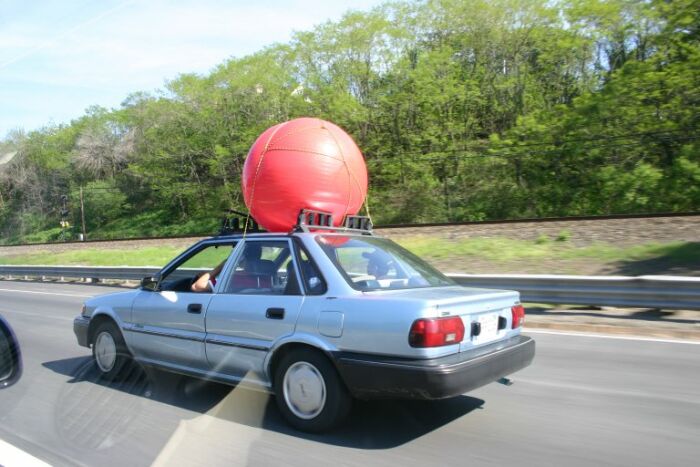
{"x": 584, "y": 401}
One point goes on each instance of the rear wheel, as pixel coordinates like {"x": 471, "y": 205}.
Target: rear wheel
{"x": 309, "y": 391}
{"x": 109, "y": 351}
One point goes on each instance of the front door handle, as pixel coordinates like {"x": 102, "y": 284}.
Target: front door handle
{"x": 274, "y": 313}
{"x": 194, "y": 308}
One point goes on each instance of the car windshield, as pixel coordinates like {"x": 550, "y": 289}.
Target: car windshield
{"x": 370, "y": 263}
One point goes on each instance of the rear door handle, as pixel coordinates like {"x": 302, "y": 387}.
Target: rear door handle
{"x": 274, "y": 313}
{"x": 194, "y": 308}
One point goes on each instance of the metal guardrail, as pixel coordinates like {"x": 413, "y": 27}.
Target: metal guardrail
{"x": 669, "y": 292}
{"x": 80, "y": 272}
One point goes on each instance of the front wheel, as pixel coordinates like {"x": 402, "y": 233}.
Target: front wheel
{"x": 109, "y": 351}
{"x": 309, "y": 392}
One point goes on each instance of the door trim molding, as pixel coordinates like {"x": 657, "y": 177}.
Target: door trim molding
{"x": 213, "y": 340}
{"x": 153, "y": 332}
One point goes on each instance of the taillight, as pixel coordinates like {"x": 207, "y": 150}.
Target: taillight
{"x": 518, "y": 312}
{"x": 435, "y": 332}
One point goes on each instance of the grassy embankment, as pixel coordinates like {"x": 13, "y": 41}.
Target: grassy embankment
{"x": 503, "y": 255}
{"x": 468, "y": 255}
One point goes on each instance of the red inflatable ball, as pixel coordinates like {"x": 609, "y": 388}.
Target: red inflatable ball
{"x": 306, "y": 163}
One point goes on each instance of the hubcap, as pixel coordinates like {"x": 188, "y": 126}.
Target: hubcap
{"x": 304, "y": 390}
{"x": 105, "y": 351}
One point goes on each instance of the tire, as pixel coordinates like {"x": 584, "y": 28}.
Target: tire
{"x": 112, "y": 358}
{"x": 309, "y": 392}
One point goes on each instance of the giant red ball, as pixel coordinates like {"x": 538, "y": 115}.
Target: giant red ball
{"x": 305, "y": 163}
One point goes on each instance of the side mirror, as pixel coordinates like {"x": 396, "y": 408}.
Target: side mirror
{"x": 10, "y": 357}
{"x": 150, "y": 283}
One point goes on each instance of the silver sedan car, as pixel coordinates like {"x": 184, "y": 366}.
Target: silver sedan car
{"x": 316, "y": 318}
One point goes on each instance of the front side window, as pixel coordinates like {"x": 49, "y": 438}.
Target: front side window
{"x": 208, "y": 260}
{"x": 264, "y": 267}
{"x": 370, "y": 263}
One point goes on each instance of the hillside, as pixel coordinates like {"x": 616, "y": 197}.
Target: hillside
{"x": 465, "y": 110}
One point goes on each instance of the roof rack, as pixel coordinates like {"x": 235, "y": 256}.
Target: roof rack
{"x": 310, "y": 219}
{"x": 235, "y": 222}
{"x": 363, "y": 223}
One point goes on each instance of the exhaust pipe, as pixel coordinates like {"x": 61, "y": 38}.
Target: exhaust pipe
{"x": 505, "y": 381}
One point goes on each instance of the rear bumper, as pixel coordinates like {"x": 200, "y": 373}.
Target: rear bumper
{"x": 80, "y": 328}
{"x": 369, "y": 376}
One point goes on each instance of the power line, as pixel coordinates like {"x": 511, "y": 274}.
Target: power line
{"x": 598, "y": 138}
{"x": 455, "y": 153}
{"x": 580, "y": 170}
{"x": 567, "y": 141}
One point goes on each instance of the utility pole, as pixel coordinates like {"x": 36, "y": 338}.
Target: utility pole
{"x": 82, "y": 213}
{"x": 65, "y": 225}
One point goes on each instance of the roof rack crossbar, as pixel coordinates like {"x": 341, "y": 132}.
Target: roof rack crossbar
{"x": 312, "y": 218}
{"x": 309, "y": 219}
{"x": 358, "y": 223}
{"x": 237, "y": 222}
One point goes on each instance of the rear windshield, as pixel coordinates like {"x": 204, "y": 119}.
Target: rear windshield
{"x": 369, "y": 263}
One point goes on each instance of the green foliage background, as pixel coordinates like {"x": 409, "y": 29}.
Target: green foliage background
{"x": 464, "y": 109}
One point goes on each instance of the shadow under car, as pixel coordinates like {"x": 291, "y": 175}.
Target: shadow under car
{"x": 375, "y": 424}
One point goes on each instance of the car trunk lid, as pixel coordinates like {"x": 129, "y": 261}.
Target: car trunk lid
{"x": 490, "y": 309}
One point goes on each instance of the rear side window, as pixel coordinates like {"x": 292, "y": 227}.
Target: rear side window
{"x": 314, "y": 283}
{"x": 264, "y": 268}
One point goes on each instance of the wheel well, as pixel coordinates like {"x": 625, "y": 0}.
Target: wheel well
{"x": 96, "y": 322}
{"x": 285, "y": 350}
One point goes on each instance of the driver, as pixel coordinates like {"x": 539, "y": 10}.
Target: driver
{"x": 206, "y": 281}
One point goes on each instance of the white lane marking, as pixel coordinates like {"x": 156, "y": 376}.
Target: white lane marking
{"x": 46, "y": 293}
{"x": 602, "y": 390}
{"x": 11, "y": 456}
{"x": 609, "y": 336}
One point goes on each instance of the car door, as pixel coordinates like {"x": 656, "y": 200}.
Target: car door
{"x": 258, "y": 302}
{"x": 168, "y": 323}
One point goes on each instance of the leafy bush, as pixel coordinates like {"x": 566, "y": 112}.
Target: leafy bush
{"x": 43, "y": 236}
{"x": 564, "y": 236}
{"x": 542, "y": 239}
